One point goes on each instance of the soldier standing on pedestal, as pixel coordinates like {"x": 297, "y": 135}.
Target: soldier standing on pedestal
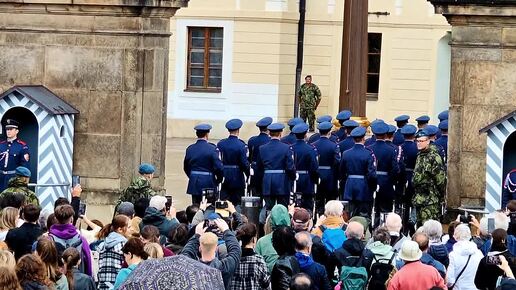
{"x": 13, "y": 153}
{"x": 309, "y": 98}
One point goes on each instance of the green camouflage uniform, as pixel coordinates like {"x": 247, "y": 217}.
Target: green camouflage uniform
{"x": 429, "y": 185}
{"x": 140, "y": 187}
{"x": 18, "y": 185}
{"x": 309, "y": 96}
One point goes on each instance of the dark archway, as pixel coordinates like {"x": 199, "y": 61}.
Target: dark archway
{"x": 29, "y": 133}
{"x": 509, "y": 155}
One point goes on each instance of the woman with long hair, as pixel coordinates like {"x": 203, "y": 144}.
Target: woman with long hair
{"x": 32, "y": 274}
{"x": 8, "y": 279}
{"x": 134, "y": 254}
{"x": 46, "y": 250}
{"x": 111, "y": 256}
{"x": 7, "y": 259}
{"x": 8, "y": 218}
{"x": 76, "y": 279}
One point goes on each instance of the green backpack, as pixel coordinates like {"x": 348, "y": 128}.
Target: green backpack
{"x": 353, "y": 278}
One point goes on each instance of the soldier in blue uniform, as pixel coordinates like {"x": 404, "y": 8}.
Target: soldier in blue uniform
{"x": 422, "y": 121}
{"x": 442, "y": 116}
{"x": 357, "y": 172}
{"x": 329, "y": 160}
{"x": 400, "y": 178}
{"x": 234, "y": 158}
{"x": 432, "y": 133}
{"x": 387, "y": 170}
{"x": 305, "y": 161}
{"x": 254, "y": 144}
{"x": 276, "y": 163}
{"x": 370, "y": 141}
{"x": 409, "y": 160}
{"x": 342, "y": 117}
{"x": 316, "y": 136}
{"x": 443, "y": 140}
{"x": 291, "y": 138}
{"x": 509, "y": 188}
{"x": 400, "y": 122}
{"x": 348, "y": 142}
{"x": 202, "y": 164}
{"x": 13, "y": 153}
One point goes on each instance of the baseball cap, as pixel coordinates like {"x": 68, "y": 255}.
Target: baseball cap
{"x": 126, "y": 208}
{"x": 300, "y": 218}
{"x": 158, "y": 202}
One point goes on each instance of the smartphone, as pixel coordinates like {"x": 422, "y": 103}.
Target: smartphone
{"x": 76, "y": 179}
{"x": 210, "y": 195}
{"x": 219, "y": 204}
{"x": 168, "y": 204}
{"x": 490, "y": 225}
{"x": 82, "y": 209}
{"x": 493, "y": 260}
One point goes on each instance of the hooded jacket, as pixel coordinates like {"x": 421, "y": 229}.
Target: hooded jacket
{"x": 458, "y": 259}
{"x": 110, "y": 259}
{"x": 352, "y": 253}
{"x": 381, "y": 252}
{"x": 316, "y": 271}
{"x": 158, "y": 219}
{"x": 279, "y": 217}
{"x": 68, "y": 233}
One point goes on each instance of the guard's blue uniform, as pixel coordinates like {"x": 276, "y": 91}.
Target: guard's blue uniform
{"x": 399, "y": 186}
{"x": 305, "y": 161}
{"x": 254, "y": 144}
{"x": 387, "y": 171}
{"x": 370, "y": 141}
{"x": 509, "y": 188}
{"x": 289, "y": 139}
{"x": 12, "y": 154}
{"x": 317, "y": 136}
{"x": 276, "y": 162}
{"x": 358, "y": 173}
{"x": 443, "y": 142}
{"x": 340, "y": 134}
{"x": 203, "y": 167}
{"x": 398, "y": 138}
{"x": 234, "y": 158}
{"x": 346, "y": 144}
{"x": 441, "y": 151}
{"x": 329, "y": 160}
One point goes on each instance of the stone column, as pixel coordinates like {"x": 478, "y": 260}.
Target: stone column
{"x": 109, "y": 59}
{"x": 482, "y": 87}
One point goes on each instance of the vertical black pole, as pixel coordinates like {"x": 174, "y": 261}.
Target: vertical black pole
{"x": 299, "y": 63}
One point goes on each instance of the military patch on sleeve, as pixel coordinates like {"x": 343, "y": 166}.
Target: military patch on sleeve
{"x": 26, "y": 156}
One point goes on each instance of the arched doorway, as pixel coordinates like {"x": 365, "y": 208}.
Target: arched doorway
{"x": 29, "y": 131}
{"x": 509, "y": 154}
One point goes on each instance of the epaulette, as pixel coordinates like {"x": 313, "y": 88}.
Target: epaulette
{"x": 243, "y": 142}
{"x": 21, "y": 142}
{"x": 213, "y": 144}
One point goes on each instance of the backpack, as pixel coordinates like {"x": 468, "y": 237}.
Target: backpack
{"x": 74, "y": 242}
{"x": 332, "y": 238}
{"x": 381, "y": 272}
{"x": 353, "y": 277}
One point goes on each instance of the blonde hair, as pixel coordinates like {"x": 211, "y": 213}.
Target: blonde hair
{"x": 8, "y": 279}
{"x": 208, "y": 241}
{"x": 154, "y": 250}
{"x": 7, "y": 259}
{"x": 9, "y": 217}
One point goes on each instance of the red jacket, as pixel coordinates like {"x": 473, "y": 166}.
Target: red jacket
{"x": 416, "y": 276}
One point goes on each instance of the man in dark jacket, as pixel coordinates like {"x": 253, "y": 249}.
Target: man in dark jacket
{"x": 316, "y": 271}
{"x": 156, "y": 215}
{"x": 206, "y": 243}
{"x": 20, "y": 240}
{"x": 284, "y": 242}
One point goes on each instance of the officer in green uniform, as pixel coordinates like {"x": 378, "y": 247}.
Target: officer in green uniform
{"x": 309, "y": 98}
{"x": 429, "y": 180}
{"x": 20, "y": 184}
{"x": 140, "y": 185}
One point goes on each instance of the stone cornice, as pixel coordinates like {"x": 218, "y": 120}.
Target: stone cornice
{"x": 135, "y": 3}
{"x": 475, "y": 2}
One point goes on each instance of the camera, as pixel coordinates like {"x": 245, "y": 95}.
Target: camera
{"x": 210, "y": 226}
{"x": 219, "y": 204}
{"x": 493, "y": 260}
{"x": 465, "y": 219}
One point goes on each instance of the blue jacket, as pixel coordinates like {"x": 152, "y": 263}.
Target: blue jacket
{"x": 329, "y": 160}
{"x": 443, "y": 142}
{"x": 254, "y": 144}
{"x": 289, "y": 139}
{"x": 233, "y": 152}
{"x": 370, "y": 141}
{"x": 123, "y": 275}
{"x": 276, "y": 163}
{"x": 203, "y": 167}
{"x": 317, "y": 136}
{"x": 400, "y": 180}
{"x": 387, "y": 169}
{"x": 358, "y": 172}
{"x": 509, "y": 188}
{"x": 12, "y": 154}
{"x": 305, "y": 160}
{"x": 346, "y": 144}
{"x": 316, "y": 271}
{"x": 341, "y": 134}
{"x": 398, "y": 138}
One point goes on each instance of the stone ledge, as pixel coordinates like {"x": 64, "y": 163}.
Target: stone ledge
{"x": 137, "y": 3}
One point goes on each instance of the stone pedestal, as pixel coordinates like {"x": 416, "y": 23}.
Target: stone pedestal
{"x": 482, "y": 87}
{"x": 109, "y": 59}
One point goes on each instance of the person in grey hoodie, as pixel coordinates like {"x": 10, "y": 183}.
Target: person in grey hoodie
{"x": 111, "y": 256}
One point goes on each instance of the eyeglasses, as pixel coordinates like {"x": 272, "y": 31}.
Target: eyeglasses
{"x": 422, "y": 141}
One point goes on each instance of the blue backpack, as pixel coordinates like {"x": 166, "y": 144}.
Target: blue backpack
{"x": 332, "y": 238}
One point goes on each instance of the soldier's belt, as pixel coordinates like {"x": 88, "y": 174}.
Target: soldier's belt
{"x": 9, "y": 172}
{"x": 325, "y": 167}
{"x": 302, "y": 172}
{"x": 232, "y": 166}
{"x": 409, "y": 169}
{"x": 382, "y": 173}
{"x": 195, "y": 172}
{"x": 271, "y": 171}
{"x": 356, "y": 176}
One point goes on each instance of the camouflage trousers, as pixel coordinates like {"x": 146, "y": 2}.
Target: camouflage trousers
{"x": 308, "y": 114}
{"x": 428, "y": 212}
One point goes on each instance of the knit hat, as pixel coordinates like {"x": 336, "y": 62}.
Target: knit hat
{"x": 410, "y": 251}
{"x": 158, "y": 202}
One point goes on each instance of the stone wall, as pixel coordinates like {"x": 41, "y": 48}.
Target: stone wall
{"x": 482, "y": 88}
{"x": 109, "y": 59}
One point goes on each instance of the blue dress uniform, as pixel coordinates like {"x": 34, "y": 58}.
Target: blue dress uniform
{"x": 348, "y": 142}
{"x": 254, "y": 144}
{"x": 443, "y": 140}
{"x": 276, "y": 162}
{"x": 305, "y": 161}
{"x": 409, "y": 159}
{"x": 342, "y": 117}
{"x": 291, "y": 138}
{"x": 399, "y": 186}
{"x": 432, "y": 132}
{"x": 400, "y": 122}
{"x": 422, "y": 121}
{"x": 233, "y": 152}
{"x": 13, "y": 153}
{"x": 387, "y": 171}
{"x": 329, "y": 160}
{"x": 442, "y": 116}
{"x": 509, "y": 188}
{"x": 316, "y": 136}
{"x": 370, "y": 141}
{"x": 358, "y": 173}
{"x": 202, "y": 165}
